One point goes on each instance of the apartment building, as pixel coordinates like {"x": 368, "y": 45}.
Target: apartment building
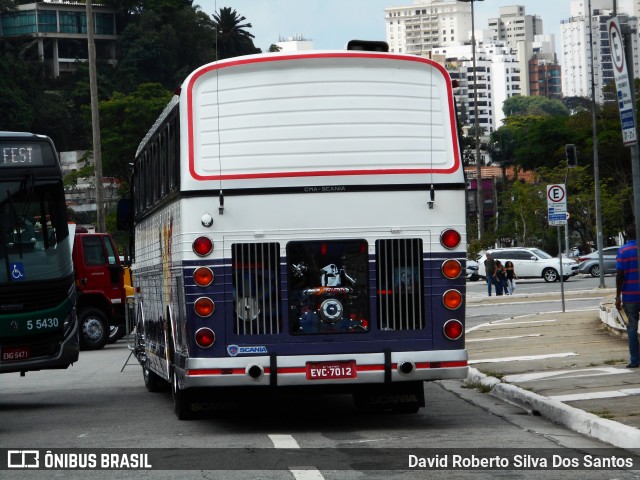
{"x": 579, "y": 59}
{"x": 55, "y": 32}
{"x": 514, "y": 26}
{"x": 498, "y": 78}
{"x": 427, "y": 24}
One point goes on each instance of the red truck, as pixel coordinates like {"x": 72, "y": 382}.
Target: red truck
{"x": 100, "y": 289}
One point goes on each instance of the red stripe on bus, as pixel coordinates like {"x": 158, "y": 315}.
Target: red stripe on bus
{"x": 220, "y": 371}
{"x": 301, "y": 370}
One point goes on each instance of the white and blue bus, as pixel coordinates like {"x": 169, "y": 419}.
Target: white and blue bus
{"x": 298, "y": 220}
{"x": 38, "y": 326}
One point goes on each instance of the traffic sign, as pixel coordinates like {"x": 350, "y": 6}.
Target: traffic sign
{"x": 623, "y": 85}
{"x": 557, "y": 204}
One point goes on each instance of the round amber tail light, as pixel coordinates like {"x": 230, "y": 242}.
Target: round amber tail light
{"x": 204, "y": 306}
{"x": 452, "y": 299}
{"x": 203, "y": 276}
{"x": 451, "y": 268}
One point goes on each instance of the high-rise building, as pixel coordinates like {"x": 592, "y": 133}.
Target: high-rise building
{"x": 427, "y": 24}
{"x": 545, "y": 79}
{"x": 513, "y": 27}
{"x": 576, "y": 39}
{"x": 498, "y": 78}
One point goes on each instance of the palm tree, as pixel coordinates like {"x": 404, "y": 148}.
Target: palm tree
{"x": 232, "y": 40}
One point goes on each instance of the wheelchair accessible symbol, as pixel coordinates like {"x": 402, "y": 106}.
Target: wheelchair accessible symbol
{"x": 17, "y": 272}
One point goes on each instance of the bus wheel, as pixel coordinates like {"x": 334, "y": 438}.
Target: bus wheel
{"x": 152, "y": 381}
{"x": 94, "y": 329}
{"x": 181, "y": 399}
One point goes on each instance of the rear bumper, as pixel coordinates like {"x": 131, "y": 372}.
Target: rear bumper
{"x": 371, "y": 368}
{"x": 66, "y": 355}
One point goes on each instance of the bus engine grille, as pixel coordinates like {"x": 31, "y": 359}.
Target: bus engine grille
{"x": 400, "y": 288}
{"x": 256, "y": 286}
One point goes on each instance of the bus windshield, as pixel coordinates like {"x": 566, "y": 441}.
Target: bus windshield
{"x": 34, "y": 238}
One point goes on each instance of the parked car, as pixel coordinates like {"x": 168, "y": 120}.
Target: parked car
{"x": 532, "y": 263}
{"x": 472, "y": 270}
{"x": 591, "y": 263}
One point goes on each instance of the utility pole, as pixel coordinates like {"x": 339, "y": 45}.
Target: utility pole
{"x": 479, "y": 193}
{"x": 596, "y": 162}
{"x": 95, "y": 120}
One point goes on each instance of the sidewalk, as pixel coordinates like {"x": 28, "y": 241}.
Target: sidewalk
{"x": 568, "y": 367}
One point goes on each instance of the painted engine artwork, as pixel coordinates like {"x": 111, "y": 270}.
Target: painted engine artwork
{"x": 328, "y": 287}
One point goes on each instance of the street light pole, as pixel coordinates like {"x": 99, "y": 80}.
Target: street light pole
{"x": 596, "y": 159}
{"x": 479, "y": 193}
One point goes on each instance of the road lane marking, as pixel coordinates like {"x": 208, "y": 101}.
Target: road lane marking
{"x": 506, "y": 321}
{"x": 526, "y": 322}
{"x": 284, "y": 441}
{"x": 299, "y": 472}
{"x": 564, "y": 374}
{"x": 307, "y": 473}
{"x": 623, "y": 392}
{"x": 493, "y": 339}
{"x": 522, "y": 359}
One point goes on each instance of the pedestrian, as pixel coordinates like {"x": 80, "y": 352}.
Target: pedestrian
{"x": 628, "y": 291}
{"x": 489, "y": 270}
{"x": 498, "y": 278}
{"x": 511, "y": 276}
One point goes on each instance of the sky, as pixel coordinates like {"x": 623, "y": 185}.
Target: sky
{"x": 332, "y": 23}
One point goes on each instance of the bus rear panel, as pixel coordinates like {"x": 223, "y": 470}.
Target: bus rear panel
{"x": 308, "y": 211}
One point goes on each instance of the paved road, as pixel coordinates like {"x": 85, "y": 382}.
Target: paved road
{"x": 95, "y": 406}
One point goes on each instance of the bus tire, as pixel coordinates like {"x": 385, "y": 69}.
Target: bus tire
{"x": 152, "y": 381}
{"x": 94, "y": 329}
{"x": 182, "y": 399}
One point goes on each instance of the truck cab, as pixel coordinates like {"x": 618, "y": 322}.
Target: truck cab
{"x": 99, "y": 280}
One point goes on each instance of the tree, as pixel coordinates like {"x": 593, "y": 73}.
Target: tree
{"x": 233, "y": 39}
{"x": 540, "y": 106}
{"x": 502, "y": 148}
{"x": 577, "y": 104}
{"x": 124, "y": 121}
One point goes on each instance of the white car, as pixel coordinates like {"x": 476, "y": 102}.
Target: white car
{"x": 472, "y": 270}
{"x": 531, "y": 263}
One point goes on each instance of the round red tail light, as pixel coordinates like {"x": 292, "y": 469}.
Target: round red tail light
{"x": 203, "y": 276}
{"x": 452, "y": 299}
{"x": 205, "y": 337}
{"x": 204, "y": 306}
{"x": 450, "y": 238}
{"x": 202, "y": 246}
{"x": 451, "y": 268}
{"x": 453, "y": 329}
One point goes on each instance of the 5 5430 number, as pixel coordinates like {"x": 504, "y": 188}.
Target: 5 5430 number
{"x": 42, "y": 323}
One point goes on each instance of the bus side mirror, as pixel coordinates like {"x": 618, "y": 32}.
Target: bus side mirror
{"x": 123, "y": 214}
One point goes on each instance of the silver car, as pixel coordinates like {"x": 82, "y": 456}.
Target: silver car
{"x": 591, "y": 263}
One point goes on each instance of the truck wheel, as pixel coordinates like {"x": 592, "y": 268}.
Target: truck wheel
{"x": 116, "y": 333}
{"x": 94, "y": 329}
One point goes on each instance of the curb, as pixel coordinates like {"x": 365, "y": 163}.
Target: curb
{"x": 609, "y": 431}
